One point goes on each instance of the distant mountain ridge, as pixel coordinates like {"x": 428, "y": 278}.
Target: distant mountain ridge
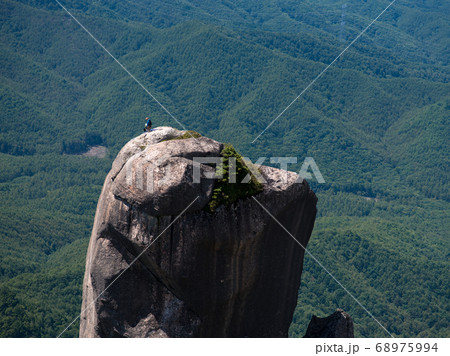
{"x": 350, "y": 105}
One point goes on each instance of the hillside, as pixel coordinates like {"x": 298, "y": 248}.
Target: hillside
{"x": 376, "y": 124}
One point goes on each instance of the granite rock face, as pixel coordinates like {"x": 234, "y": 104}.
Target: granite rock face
{"x": 231, "y": 273}
{"x": 338, "y": 324}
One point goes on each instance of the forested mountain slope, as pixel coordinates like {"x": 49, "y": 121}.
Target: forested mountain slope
{"x": 376, "y": 124}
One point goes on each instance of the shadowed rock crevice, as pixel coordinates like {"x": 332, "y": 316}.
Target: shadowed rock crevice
{"x": 231, "y": 273}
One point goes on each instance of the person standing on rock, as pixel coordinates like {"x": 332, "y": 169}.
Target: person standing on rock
{"x": 148, "y": 125}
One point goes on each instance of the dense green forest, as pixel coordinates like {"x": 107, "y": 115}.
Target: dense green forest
{"x": 376, "y": 123}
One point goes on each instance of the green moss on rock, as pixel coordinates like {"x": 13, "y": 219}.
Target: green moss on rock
{"x": 187, "y": 134}
{"x": 226, "y": 193}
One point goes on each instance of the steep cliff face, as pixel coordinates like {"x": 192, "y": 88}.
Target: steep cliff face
{"x": 231, "y": 273}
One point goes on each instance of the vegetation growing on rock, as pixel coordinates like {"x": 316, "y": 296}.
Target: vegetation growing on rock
{"x": 226, "y": 193}
{"x": 187, "y": 134}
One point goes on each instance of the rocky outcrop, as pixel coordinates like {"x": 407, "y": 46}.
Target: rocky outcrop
{"x": 151, "y": 272}
{"x": 338, "y": 324}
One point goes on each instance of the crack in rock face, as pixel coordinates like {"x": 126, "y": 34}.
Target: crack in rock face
{"x": 231, "y": 273}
